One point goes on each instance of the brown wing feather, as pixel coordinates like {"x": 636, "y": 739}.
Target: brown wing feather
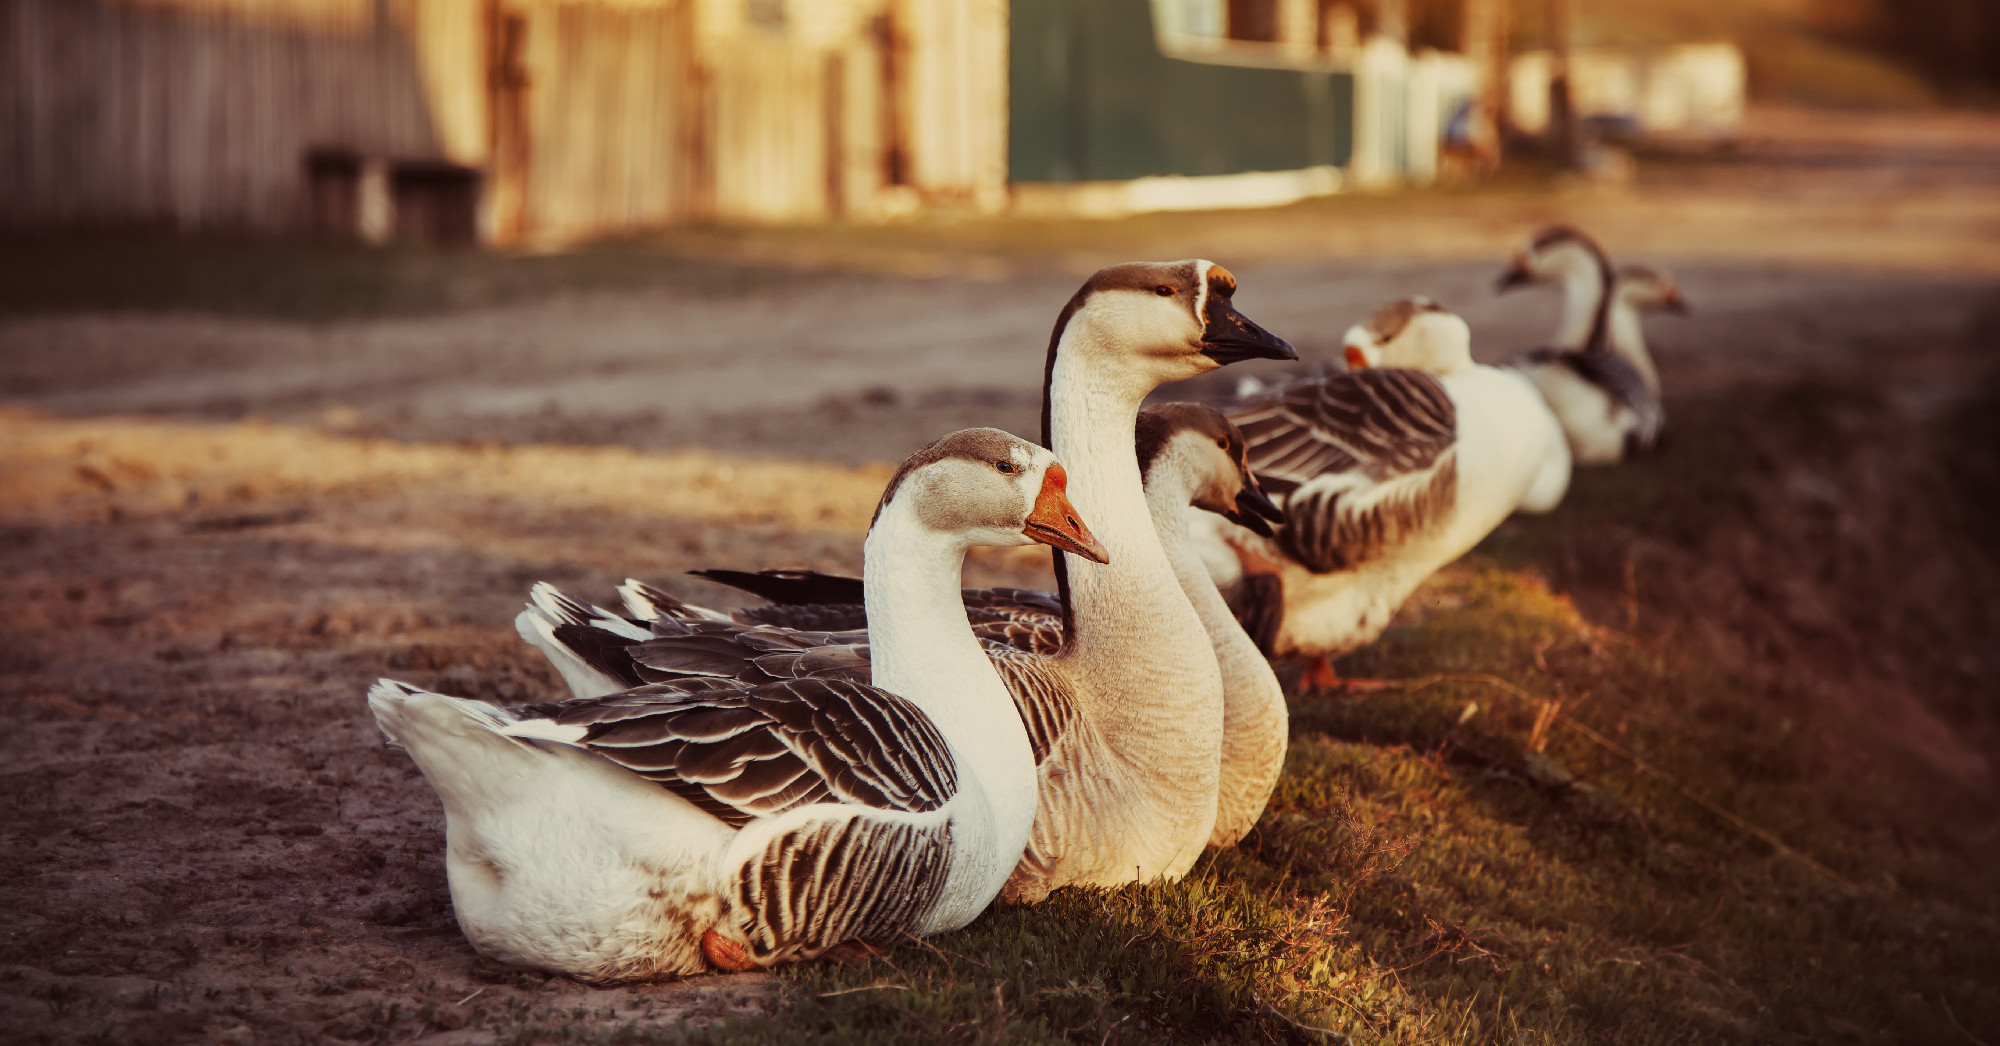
{"x": 741, "y": 753}
{"x": 1017, "y": 627}
{"x": 833, "y": 881}
{"x": 1379, "y": 422}
{"x": 1365, "y": 460}
{"x": 1333, "y": 527}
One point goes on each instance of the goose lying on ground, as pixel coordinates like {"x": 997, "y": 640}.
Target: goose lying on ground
{"x": 1189, "y": 455}
{"x": 1126, "y": 716}
{"x": 633, "y": 835}
{"x": 1386, "y": 473}
{"x": 1597, "y": 376}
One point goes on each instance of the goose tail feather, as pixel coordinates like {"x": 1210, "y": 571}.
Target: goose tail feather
{"x": 651, "y": 603}
{"x": 585, "y": 643}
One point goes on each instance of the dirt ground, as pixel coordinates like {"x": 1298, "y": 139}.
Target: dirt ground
{"x": 219, "y": 521}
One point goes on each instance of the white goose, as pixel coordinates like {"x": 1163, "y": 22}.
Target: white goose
{"x": 1126, "y": 717}
{"x": 1387, "y": 473}
{"x": 635, "y": 835}
{"x": 1132, "y": 705}
{"x": 1189, "y": 455}
{"x": 1638, "y": 290}
{"x": 1193, "y": 455}
{"x": 1597, "y": 376}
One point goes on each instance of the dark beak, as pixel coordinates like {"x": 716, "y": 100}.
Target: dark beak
{"x": 1676, "y": 304}
{"x": 1255, "y": 512}
{"x": 1230, "y": 337}
{"x": 1517, "y": 275}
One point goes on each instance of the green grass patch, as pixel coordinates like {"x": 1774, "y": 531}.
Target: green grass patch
{"x": 1446, "y": 864}
{"x": 1618, "y": 799}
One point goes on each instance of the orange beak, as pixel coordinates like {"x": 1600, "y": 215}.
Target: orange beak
{"x": 1355, "y": 359}
{"x": 1054, "y": 520}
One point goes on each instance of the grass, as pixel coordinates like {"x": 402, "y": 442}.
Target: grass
{"x": 1578, "y": 822}
{"x": 1424, "y": 879}
{"x": 1524, "y": 844}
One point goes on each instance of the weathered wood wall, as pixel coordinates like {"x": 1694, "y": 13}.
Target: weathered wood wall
{"x": 580, "y": 117}
{"x": 612, "y": 102}
{"x": 958, "y": 99}
{"x": 120, "y": 114}
{"x": 770, "y": 131}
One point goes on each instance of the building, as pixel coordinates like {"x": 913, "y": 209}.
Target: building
{"x": 550, "y": 121}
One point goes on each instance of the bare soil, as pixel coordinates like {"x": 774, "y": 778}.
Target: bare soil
{"x": 219, "y": 522}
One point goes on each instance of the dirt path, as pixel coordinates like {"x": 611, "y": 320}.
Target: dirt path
{"x": 854, "y": 368}
{"x": 208, "y": 838}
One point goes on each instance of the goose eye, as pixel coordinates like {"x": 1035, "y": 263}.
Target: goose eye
{"x": 1164, "y": 291}
{"x": 1007, "y": 467}
{"x": 1223, "y": 442}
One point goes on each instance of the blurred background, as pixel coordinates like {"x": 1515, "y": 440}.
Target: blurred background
{"x": 492, "y": 219}
{"x": 549, "y": 122}
{"x": 327, "y": 326}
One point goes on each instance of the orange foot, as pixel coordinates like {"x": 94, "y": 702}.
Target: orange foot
{"x": 725, "y": 954}
{"x": 1320, "y": 676}
{"x": 851, "y": 952}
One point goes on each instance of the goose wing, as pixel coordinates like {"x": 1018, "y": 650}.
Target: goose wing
{"x": 1622, "y": 384}
{"x": 792, "y": 587}
{"x": 1627, "y": 388}
{"x": 816, "y": 617}
{"x": 1017, "y": 647}
{"x": 809, "y": 600}
{"x": 1017, "y": 601}
{"x": 1364, "y": 459}
{"x": 1041, "y": 697}
{"x": 1029, "y": 632}
{"x": 753, "y": 655}
{"x": 744, "y": 752}
{"x": 1025, "y": 626}
{"x": 690, "y": 653}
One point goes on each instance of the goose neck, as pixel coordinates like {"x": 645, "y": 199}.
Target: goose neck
{"x": 1126, "y": 611}
{"x": 1169, "y": 491}
{"x": 1170, "y": 488}
{"x": 920, "y": 646}
{"x": 1584, "y": 291}
{"x": 1627, "y": 338}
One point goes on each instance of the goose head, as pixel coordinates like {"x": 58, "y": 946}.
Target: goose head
{"x": 1162, "y": 321}
{"x": 1645, "y": 289}
{"x": 1211, "y": 457}
{"x": 1416, "y": 333}
{"x": 1558, "y": 254}
{"x": 990, "y": 487}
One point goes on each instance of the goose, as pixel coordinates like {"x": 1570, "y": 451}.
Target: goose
{"x": 1125, "y": 716}
{"x": 1386, "y": 474}
{"x": 1638, "y": 290}
{"x": 1597, "y": 376}
{"x": 1189, "y": 455}
{"x": 706, "y": 822}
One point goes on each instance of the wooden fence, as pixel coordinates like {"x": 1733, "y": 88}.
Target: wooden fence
{"x": 612, "y": 128}
{"x": 550, "y": 120}
{"x": 123, "y": 114}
